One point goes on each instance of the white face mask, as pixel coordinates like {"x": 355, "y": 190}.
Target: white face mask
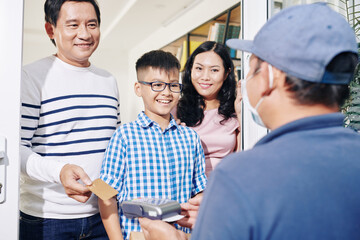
{"x": 254, "y": 113}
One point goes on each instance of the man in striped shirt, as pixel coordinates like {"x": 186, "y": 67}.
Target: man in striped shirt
{"x": 152, "y": 157}
{"x": 69, "y": 111}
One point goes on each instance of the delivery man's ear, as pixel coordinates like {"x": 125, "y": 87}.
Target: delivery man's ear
{"x": 278, "y": 78}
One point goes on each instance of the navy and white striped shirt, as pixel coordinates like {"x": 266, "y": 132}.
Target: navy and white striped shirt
{"x": 144, "y": 161}
{"x": 68, "y": 115}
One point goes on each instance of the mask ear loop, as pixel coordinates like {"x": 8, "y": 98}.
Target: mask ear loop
{"x": 271, "y": 81}
{"x": 271, "y": 75}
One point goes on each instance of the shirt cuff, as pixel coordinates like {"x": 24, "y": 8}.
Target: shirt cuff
{"x": 45, "y": 170}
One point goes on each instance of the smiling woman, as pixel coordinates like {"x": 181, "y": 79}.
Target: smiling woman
{"x": 207, "y": 101}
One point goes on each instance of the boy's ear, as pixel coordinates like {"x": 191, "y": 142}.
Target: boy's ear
{"x": 137, "y": 89}
{"x": 49, "y": 30}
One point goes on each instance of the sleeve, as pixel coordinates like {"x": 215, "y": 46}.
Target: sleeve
{"x": 235, "y": 124}
{"x": 118, "y": 115}
{"x": 114, "y": 163}
{"x": 199, "y": 179}
{"x": 118, "y": 106}
{"x": 32, "y": 164}
{"x": 225, "y": 213}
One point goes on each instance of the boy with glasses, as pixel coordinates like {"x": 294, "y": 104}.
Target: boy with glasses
{"x": 152, "y": 156}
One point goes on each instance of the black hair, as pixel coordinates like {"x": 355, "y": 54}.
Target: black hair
{"x": 190, "y": 109}
{"x": 158, "y": 59}
{"x": 52, "y": 10}
{"x": 330, "y": 95}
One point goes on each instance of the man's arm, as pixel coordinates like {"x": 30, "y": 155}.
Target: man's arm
{"x": 45, "y": 170}
{"x": 34, "y": 165}
{"x": 110, "y": 218}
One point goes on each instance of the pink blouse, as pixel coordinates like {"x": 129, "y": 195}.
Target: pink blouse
{"x": 218, "y": 140}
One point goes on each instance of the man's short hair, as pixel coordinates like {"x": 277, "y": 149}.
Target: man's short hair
{"x": 52, "y": 10}
{"x": 158, "y": 59}
{"x": 330, "y": 95}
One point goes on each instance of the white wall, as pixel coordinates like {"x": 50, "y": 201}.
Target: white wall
{"x": 117, "y": 64}
{"x": 10, "y": 73}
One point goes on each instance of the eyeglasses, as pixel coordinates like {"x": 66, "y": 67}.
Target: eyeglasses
{"x": 160, "y": 86}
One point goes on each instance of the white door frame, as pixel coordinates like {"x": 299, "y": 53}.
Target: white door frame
{"x": 255, "y": 14}
{"x": 11, "y": 20}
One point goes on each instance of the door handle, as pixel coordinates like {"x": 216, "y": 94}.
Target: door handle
{"x": 2, "y": 168}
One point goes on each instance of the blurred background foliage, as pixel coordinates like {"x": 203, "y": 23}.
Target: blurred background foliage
{"x": 351, "y": 108}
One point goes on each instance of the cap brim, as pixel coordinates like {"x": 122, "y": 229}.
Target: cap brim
{"x": 243, "y": 45}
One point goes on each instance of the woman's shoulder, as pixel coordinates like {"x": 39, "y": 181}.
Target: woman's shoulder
{"x": 212, "y": 119}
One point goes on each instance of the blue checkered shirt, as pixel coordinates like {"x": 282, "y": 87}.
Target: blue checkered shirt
{"x": 144, "y": 161}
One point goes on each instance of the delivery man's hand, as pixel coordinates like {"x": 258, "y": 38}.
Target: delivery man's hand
{"x": 159, "y": 230}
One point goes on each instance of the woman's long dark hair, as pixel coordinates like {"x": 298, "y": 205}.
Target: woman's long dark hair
{"x": 190, "y": 109}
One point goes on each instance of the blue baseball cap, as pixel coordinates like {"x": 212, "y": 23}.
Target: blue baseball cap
{"x": 301, "y": 41}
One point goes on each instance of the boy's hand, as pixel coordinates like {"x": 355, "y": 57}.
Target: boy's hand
{"x": 159, "y": 230}
{"x": 190, "y": 211}
{"x": 69, "y": 176}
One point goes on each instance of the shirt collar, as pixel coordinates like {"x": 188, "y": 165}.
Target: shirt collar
{"x": 145, "y": 122}
{"x": 308, "y": 123}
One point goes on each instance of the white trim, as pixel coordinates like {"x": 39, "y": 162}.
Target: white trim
{"x": 11, "y": 20}
{"x": 254, "y": 17}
